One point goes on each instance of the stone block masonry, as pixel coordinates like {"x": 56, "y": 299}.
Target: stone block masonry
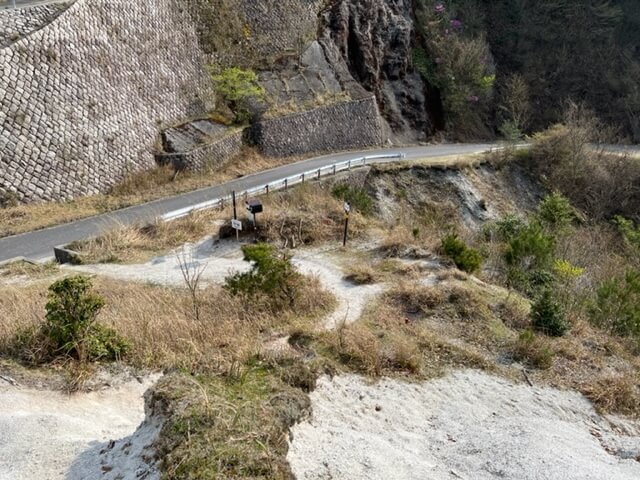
{"x": 82, "y": 99}
{"x": 18, "y": 23}
{"x": 342, "y": 126}
{"x": 211, "y": 155}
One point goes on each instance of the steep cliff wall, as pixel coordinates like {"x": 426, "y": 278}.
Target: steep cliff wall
{"x": 370, "y": 43}
{"x": 82, "y": 98}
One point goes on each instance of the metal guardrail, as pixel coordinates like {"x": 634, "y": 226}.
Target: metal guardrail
{"x": 283, "y": 184}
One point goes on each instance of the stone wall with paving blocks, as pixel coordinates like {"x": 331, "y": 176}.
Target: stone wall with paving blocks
{"x": 342, "y": 126}
{"x": 81, "y": 99}
{"x": 278, "y": 26}
{"x": 212, "y": 155}
{"x": 18, "y": 23}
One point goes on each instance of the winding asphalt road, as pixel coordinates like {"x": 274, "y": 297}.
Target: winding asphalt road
{"x": 38, "y": 245}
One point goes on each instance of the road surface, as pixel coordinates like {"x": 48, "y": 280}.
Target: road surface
{"x": 38, "y": 245}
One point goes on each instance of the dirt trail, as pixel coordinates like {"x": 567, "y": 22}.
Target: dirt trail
{"x": 218, "y": 259}
{"x": 468, "y": 425}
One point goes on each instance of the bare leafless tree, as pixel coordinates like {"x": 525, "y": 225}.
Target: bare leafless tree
{"x": 191, "y": 273}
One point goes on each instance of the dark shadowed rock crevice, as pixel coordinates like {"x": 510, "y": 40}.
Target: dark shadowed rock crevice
{"x": 370, "y": 44}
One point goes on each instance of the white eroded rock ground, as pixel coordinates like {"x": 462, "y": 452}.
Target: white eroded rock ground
{"x": 468, "y": 425}
{"x": 46, "y": 435}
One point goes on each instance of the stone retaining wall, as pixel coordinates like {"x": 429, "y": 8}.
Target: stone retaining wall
{"x": 212, "y": 155}
{"x": 82, "y": 99}
{"x": 343, "y": 126}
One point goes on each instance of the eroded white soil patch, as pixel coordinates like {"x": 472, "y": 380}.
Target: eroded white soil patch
{"x": 48, "y": 435}
{"x": 468, "y": 425}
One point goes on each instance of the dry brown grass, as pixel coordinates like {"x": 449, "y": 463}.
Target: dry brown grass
{"x": 159, "y": 322}
{"x": 136, "y": 189}
{"x": 615, "y": 393}
{"x": 137, "y": 243}
{"x": 28, "y": 269}
{"x": 306, "y": 215}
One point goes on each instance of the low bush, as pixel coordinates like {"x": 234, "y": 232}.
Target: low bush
{"x": 530, "y": 249}
{"x": 272, "y": 275}
{"x": 357, "y": 197}
{"x": 465, "y": 258}
{"x": 617, "y": 305}
{"x": 548, "y": 316}
{"x": 70, "y": 328}
{"x": 556, "y": 214}
{"x": 533, "y": 350}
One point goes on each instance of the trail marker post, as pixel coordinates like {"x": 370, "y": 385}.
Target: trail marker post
{"x": 235, "y": 224}
{"x": 347, "y": 209}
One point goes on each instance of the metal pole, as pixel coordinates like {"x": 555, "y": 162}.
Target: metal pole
{"x": 233, "y": 197}
{"x": 346, "y": 228}
{"x": 235, "y": 214}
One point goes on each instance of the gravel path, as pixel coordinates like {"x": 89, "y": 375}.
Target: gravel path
{"x": 468, "y": 425}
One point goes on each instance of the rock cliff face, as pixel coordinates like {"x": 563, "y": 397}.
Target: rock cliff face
{"x": 370, "y": 43}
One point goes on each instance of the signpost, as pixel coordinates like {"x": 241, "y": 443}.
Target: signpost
{"x": 347, "y": 209}
{"x": 236, "y": 225}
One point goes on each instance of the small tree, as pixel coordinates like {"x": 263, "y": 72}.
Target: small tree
{"x": 271, "y": 274}
{"x": 547, "y": 315}
{"x": 72, "y": 309}
{"x": 465, "y": 258}
{"x": 239, "y": 88}
{"x": 556, "y": 213}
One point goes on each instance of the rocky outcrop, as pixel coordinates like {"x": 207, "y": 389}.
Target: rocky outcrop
{"x": 369, "y": 43}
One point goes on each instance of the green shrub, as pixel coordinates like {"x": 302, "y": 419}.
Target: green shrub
{"x": 530, "y": 282}
{"x": 530, "y": 249}
{"x": 533, "y": 350}
{"x": 271, "y": 274}
{"x": 617, "y": 305}
{"x": 239, "y": 88}
{"x": 508, "y": 227}
{"x": 556, "y": 213}
{"x": 465, "y": 258}
{"x": 70, "y": 326}
{"x": 357, "y": 197}
{"x": 548, "y": 316}
{"x": 629, "y": 230}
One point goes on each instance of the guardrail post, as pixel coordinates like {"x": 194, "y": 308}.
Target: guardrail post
{"x": 221, "y": 204}
{"x": 267, "y": 188}
{"x": 302, "y": 177}
{"x": 318, "y": 174}
{"x": 286, "y": 184}
{"x": 349, "y": 165}
{"x": 334, "y": 168}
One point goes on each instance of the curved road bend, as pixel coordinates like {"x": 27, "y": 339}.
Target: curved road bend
{"x": 38, "y": 245}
